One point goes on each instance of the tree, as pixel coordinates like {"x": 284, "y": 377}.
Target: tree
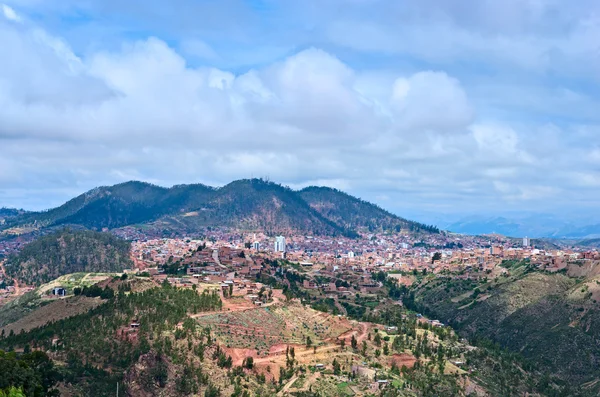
{"x": 308, "y": 341}
{"x": 212, "y": 391}
{"x": 354, "y": 343}
{"x": 377, "y": 339}
{"x": 336, "y": 367}
{"x": 12, "y": 392}
{"x": 436, "y": 257}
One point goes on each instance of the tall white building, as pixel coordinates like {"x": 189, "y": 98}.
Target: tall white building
{"x": 279, "y": 244}
{"x": 526, "y": 241}
{"x": 256, "y": 245}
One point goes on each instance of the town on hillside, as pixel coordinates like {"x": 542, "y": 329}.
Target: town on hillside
{"x": 231, "y": 256}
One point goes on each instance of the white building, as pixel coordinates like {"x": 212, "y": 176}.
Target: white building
{"x": 526, "y": 241}
{"x": 256, "y": 246}
{"x": 279, "y": 244}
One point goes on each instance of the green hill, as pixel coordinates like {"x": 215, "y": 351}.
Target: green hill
{"x": 110, "y": 207}
{"x": 8, "y": 213}
{"x": 352, "y": 212}
{"x": 66, "y": 252}
{"x": 251, "y": 204}
{"x": 256, "y": 204}
{"x": 551, "y": 319}
{"x": 94, "y": 346}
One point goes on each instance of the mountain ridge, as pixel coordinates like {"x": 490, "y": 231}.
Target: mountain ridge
{"x": 253, "y": 204}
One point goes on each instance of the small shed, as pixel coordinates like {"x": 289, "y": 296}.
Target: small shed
{"x": 59, "y": 291}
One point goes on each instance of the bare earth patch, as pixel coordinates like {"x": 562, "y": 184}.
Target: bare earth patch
{"x": 57, "y": 310}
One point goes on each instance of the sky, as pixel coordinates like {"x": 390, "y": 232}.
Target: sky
{"x": 446, "y": 107}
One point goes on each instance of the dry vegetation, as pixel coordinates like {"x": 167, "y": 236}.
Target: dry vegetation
{"x": 54, "y": 311}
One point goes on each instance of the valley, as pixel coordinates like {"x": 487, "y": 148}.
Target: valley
{"x": 390, "y": 309}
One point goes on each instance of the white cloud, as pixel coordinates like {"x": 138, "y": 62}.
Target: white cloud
{"x": 414, "y": 135}
{"x": 430, "y": 101}
{"x": 197, "y": 48}
{"x": 10, "y": 14}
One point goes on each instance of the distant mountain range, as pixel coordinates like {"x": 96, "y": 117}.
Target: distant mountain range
{"x": 252, "y": 204}
{"x": 534, "y": 225}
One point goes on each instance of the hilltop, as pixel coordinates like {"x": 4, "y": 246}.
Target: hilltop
{"x": 68, "y": 251}
{"x": 8, "y": 213}
{"x": 252, "y": 204}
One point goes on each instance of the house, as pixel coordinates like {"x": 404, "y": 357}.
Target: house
{"x": 59, "y": 291}
{"x": 225, "y": 288}
{"x": 309, "y": 284}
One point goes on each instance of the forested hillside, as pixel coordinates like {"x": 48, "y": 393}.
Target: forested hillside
{"x": 29, "y": 374}
{"x": 6, "y": 214}
{"x": 106, "y": 206}
{"x": 66, "y": 252}
{"x": 351, "y": 212}
{"x": 551, "y": 319}
{"x": 256, "y": 204}
{"x": 98, "y": 350}
{"x": 250, "y": 203}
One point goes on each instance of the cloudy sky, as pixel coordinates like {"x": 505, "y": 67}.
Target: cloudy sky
{"x": 429, "y": 106}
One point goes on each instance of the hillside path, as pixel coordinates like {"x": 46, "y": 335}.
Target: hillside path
{"x": 15, "y": 282}
{"x": 287, "y": 386}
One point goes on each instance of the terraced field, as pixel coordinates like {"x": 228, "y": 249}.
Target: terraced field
{"x": 253, "y": 329}
{"x": 263, "y": 328}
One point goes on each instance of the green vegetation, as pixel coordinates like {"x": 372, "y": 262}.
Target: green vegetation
{"x": 96, "y": 345}
{"x": 19, "y": 308}
{"x": 251, "y": 204}
{"x": 68, "y": 251}
{"x": 352, "y": 213}
{"x": 30, "y": 374}
{"x": 549, "y": 319}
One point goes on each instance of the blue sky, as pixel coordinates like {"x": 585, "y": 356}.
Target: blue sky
{"x": 431, "y": 107}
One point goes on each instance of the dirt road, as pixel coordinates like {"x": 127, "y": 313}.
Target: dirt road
{"x": 15, "y": 282}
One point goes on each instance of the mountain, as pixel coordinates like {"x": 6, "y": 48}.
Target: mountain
{"x": 9, "y": 213}
{"x": 110, "y": 207}
{"x": 532, "y": 225}
{"x": 256, "y": 204}
{"x": 552, "y": 319}
{"x": 252, "y": 204}
{"x": 67, "y": 252}
{"x": 352, "y": 212}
